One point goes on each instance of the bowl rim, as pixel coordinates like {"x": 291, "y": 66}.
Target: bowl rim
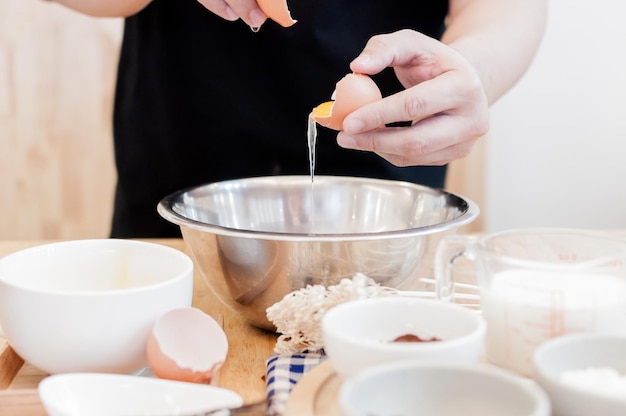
{"x": 564, "y": 342}
{"x": 542, "y": 376}
{"x": 185, "y": 273}
{"x": 529, "y": 387}
{"x": 165, "y": 208}
{"x": 111, "y": 383}
{"x": 473, "y": 334}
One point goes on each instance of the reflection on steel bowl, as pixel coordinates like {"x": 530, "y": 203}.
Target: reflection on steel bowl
{"x": 273, "y": 235}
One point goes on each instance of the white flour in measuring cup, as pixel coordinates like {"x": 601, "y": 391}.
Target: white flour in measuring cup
{"x": 524, "y": 308}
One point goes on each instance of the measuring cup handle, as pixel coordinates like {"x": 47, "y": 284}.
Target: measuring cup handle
{"x": 449, "y": 250}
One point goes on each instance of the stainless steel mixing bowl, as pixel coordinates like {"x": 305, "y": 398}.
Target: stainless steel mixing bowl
{"x": 274, "y": 235}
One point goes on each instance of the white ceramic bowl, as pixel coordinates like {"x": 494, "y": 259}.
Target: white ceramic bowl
{"x": 122, "y": 395}
{"x": 359, "y": 334}
{"x": 579, "y": 357}
{"x": 441, "y": 389}
{"x": 88, "y": 305}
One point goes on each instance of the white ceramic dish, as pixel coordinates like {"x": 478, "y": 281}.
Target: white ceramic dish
{"x": 95, "y": 394}
{"x": 588, "y": 353}
{"x": 441, "y": 389}
{"x": 89, "y": 305}
{"x": 359, "y": 334}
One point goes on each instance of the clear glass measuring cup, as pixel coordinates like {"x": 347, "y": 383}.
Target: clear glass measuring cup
{"x": 539, "y": 283}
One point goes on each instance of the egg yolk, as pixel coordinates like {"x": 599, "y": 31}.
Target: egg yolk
{"x": 324, "y": 109}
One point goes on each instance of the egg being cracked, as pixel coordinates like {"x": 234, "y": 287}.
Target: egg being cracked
{"x": 278, "y": 11}
{"x": 186, "y": 345}
{"x": 351, "y": 92}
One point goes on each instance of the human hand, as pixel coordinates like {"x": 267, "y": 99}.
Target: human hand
{"x": 246, "y": 10}
{"x": 443, "y": 99}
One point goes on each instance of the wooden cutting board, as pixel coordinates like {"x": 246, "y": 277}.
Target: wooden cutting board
{"x": 316, "y": 394}
{"x": 10, "y": 364}
{"x": 17, "y": 401}
{"x": 23, "y": 402}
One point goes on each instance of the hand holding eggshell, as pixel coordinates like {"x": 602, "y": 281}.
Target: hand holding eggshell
{"x": 351, "y": 92}
{"x": 444, "y": 101}
{"x": 252, "y": 12}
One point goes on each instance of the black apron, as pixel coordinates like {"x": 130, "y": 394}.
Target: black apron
{"x": 200, "y": 99}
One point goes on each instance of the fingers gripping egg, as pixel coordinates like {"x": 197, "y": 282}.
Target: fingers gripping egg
{"x": 351, "y": 92}
{"x": 186, "y": 345}
{"x": 277, "y": 11}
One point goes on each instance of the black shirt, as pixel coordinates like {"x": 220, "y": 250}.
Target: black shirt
{"x": 200, "y": 99}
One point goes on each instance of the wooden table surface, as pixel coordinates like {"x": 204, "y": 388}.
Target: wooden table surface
{"x": 243, "y": 371}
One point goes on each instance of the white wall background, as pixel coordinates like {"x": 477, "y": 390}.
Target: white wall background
{"x": 556, "y": 151}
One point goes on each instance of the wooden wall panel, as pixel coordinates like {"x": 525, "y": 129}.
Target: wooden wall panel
{"x": 466, "y": 177}
{"x": 57, "y": 72}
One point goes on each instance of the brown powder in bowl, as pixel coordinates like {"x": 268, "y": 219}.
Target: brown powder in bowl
{"x": 414, "y": 338}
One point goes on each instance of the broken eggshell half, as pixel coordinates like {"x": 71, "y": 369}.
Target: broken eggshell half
{"x": 278, "y": 11}
{"x": 351, "y": 92}
{"x": 186, "y": 344}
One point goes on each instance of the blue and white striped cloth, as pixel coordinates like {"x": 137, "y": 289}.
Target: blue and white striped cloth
{"x": 283, "y": 372}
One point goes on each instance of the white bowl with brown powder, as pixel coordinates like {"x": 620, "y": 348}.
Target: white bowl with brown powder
{"x": 363, "y": 333}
